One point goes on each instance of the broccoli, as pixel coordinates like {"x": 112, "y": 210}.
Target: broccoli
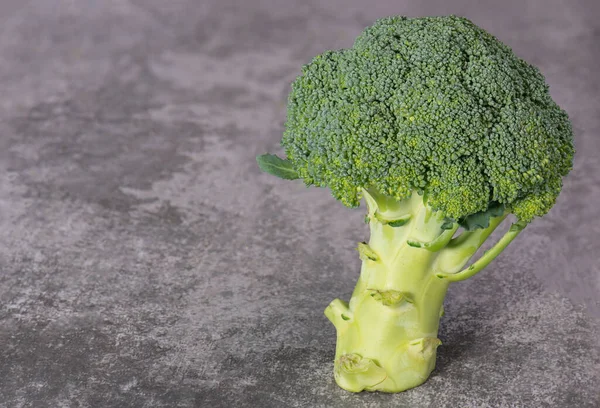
{"x": 444, "y": 132}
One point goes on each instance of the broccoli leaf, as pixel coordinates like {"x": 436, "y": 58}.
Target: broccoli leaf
{"x": 448, "y": 224}
{"x": 276, "y": 166}
{"x": 481, "y": 219}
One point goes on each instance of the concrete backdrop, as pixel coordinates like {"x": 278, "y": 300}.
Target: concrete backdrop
{"x": 146, "y": 262}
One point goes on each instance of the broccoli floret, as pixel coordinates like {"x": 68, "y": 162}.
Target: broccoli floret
{"x": 444, "y": 132}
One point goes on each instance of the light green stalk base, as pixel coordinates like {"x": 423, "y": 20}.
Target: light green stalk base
{"x": 387, "y": 334}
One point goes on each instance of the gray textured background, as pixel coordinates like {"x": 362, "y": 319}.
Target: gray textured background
{"x": 146, "y": 262}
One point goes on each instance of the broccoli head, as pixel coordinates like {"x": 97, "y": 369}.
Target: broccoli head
{"x": 444, "y": 132}
{"x": 429, "y": 104}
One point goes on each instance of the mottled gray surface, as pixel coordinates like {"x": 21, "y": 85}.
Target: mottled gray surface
{"x": 146, "y": 262}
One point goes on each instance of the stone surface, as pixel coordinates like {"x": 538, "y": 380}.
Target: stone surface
{"x": 146, "y": 262}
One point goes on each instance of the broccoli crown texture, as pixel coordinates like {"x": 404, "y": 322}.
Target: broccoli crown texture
{"x": 435, "y": 105}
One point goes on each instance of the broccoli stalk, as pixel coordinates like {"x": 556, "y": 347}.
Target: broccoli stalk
{"x": 387, "y": 334}
{"x": 444, "y": 133}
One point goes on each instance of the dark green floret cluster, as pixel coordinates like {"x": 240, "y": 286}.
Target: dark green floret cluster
{"x": 435, "y": 105}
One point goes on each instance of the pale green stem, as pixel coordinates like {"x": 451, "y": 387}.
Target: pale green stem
{"x": 487, "y": 257}
{"x": 387, "y": 333}
{"x": 438, "y": 243}
{"x": 457, "y": 253}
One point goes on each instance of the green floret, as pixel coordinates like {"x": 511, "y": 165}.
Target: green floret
{"x": 429, "y": 104}
{"x": 444, "y": 133}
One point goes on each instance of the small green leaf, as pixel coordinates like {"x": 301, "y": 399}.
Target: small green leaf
{"x": 366, "y": 253}
{"x": 448, "y": 224}
{"x": 276, "y": 166}
{"x": 392, "y": 223}
{"x": 518, "y": 226}
{"x": 481, "y": 219}
{"x": 391, "y": 297}
{"x": 398, "y": 223}
{"x": 414, "y": 244}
